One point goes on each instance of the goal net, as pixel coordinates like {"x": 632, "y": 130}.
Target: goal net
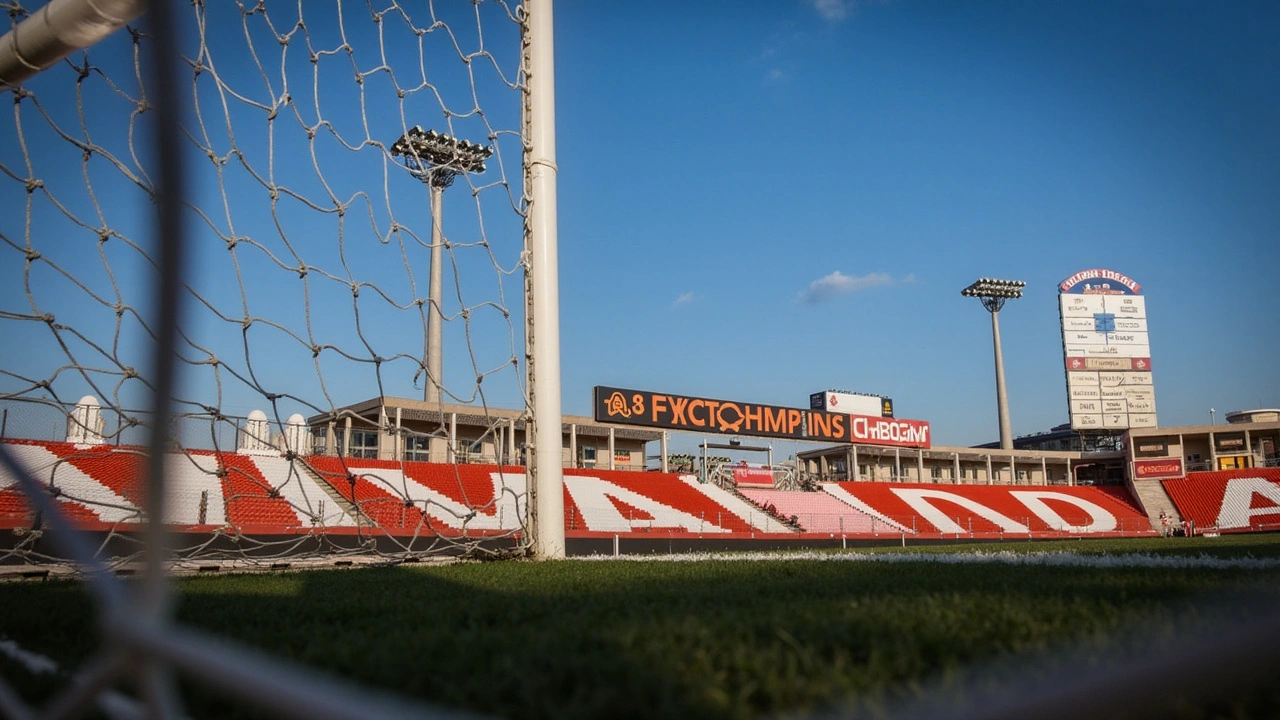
{"x": 351, "y": 322}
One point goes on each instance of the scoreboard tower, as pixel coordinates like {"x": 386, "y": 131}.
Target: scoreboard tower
{"x": 1106, "y": 352}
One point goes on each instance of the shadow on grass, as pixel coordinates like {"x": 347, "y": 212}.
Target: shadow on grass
{"x": 725, "y": 639}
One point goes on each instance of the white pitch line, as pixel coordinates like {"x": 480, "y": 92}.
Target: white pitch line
{"x": 1003, "y": 557}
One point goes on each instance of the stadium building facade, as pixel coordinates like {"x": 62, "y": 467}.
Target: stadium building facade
{"x": 390, "y": 428}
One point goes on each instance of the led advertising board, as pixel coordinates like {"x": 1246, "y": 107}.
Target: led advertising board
{"x": 731, "y": 417}
{"x": 1106, "y": 351}
{"x": 835, "y": 401}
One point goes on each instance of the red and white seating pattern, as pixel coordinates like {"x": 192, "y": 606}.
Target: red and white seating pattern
{"x": 616, "y": 501}
{"x": 818, "y": 512}
{"x": 455, "y": 497}
{"x": 1231, "y": 500}
{"x": 103, "y": 484}
{"x": 258, "y": 492}
{"x": 985, "y": 509}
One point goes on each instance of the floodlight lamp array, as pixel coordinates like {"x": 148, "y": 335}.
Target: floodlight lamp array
{"x": 424, "y": 150}
{"x": 993, "y": 288}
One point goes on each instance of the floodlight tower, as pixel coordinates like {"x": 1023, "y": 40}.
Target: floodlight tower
{"x": 436, "y": 159}
{"x": 993, "y": 294}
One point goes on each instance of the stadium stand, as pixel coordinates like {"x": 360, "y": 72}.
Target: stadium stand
{"x": 86, "y": 498}
{"x": 668, "y": 501}
{"x": 298, "y": 486}
{"x": 816, "y": 512}
{"x": 738, "y": 505}
{"x": 250, "y": 498}
{"x": 262, "y": 491}
{"x": 979, "y": 510}
{"x": 1229, "y": 500}
{"x": 456, "y": 498}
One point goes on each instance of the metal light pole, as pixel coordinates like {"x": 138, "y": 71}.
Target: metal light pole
{"x": 993, "y": 294}
{"x": 436, "y": 159}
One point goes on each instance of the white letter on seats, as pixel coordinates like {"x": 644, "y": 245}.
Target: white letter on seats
{"x": 1100, "y": 520}
{"x": 1235, "y": 511}
{"x": 918, "y": 500}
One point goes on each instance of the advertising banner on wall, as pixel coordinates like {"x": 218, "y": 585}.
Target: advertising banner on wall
{"x": 1164, "y": 468}
{"x": 871, "y": 430}
{"x": 731, "y": 417}
{"x": 1106, "y": 351}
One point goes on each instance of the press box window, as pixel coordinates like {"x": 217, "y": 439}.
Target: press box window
{"x": 364, "y": 444}
{"x": 417, "y": 449}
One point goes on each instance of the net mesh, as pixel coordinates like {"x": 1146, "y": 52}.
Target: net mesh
{"x": 305, "y": 337}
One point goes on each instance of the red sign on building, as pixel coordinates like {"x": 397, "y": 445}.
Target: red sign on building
{"x": 1163, "y": 468}
{"x": 889, "y": 431}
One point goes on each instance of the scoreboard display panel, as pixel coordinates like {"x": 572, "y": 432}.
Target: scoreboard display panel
{"x": 1106, "y": 351}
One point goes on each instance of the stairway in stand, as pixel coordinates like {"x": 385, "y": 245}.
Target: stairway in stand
{"x": 1154, "y": 500}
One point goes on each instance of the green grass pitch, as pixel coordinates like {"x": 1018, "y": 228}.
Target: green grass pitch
{"x": 724, "y": 638}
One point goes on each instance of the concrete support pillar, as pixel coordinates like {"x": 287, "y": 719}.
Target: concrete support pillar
{"x": 452, "y": 451}
{"x": 612, "y": 466}
{"x": 662, "y": 452}
{"x": 573, "y": 445}
{"x": 398, "y": 442}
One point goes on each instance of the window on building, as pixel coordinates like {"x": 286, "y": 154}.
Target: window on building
{"x": 1023, "y": 475}
{"x": 935, "y": 472}
{"x": 417, "y": 449}
{"x": 364, "y": 444}
{"x": 588, "y": 454}
{"x": 318, "y": 444}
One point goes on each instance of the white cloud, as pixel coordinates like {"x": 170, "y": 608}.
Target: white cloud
{"x": 833, "y": 10}
{"x": 837, "y": 283}
{"x": 684, "y": 299}
{"x": 776, "y": 74}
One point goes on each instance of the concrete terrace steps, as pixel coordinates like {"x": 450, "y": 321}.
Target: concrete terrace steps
{"x": 818, "y": 512}
{"x": 735, "y": 501}
{"x": 1154, "y": 499}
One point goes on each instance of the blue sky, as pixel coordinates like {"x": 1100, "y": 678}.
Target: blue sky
{"x": 796, "y": 193}
{"x": 758, "y": 201}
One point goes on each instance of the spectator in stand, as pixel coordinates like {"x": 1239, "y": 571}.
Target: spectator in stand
{"x": 1164, "y": 523}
